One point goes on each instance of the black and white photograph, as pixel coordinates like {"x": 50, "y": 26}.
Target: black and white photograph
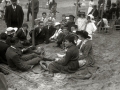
{"x": 59, "y": 44}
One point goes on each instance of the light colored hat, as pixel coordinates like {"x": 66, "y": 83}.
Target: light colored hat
{"x": 57, "y": 23}
{"x": 91, "y": 16}
{"x": 67, "y": 18}
{"x": 11, "y": 30}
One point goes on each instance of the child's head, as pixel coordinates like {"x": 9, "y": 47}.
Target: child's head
{"x": 25, "y": 26}
{"x": 44, "y": 14}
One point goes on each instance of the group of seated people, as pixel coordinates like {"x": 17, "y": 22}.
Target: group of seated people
{"x": 16, "y": 52}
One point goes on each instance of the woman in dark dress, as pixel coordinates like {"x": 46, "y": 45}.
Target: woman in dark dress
{"x": 69, "y": 63}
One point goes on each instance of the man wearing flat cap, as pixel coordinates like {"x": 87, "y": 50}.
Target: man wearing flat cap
{"x": 14, "y": 15}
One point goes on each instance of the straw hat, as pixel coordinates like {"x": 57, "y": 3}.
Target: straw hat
{"x": 83, "y": 33}
{"x": 57, "y": 23}
{"x": 10, "y": 30}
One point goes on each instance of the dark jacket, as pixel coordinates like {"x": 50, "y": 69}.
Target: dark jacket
{"x": 48, "y": 32}
{"x": 8, "y": 15}
{"x": 69, "y": 25}
{"x": 14, "y": 59}
{"x": 36, "y": 32}
{"x": 3, "y": 48}
{"x": 21, "y": 35}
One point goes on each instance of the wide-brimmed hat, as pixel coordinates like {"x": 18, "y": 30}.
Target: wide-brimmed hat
{"x": 57, "y": 23}
{"x": 83, "y": 34}
{"x": 10, "y": 30}
{"x": 71, "y": 16}
{"x": 91, "y": 16}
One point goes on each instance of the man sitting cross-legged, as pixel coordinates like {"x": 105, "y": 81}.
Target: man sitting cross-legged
{"x": 16, "y": 59}
{"x": 57, "y": 32}
{"x": 48, "y": 31}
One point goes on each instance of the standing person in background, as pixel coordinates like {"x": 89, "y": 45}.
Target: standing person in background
{"x": 99, "y": 3}
{"x": 94, "y": 12}
{"x": 113, "y": 11}
{"x": 14, "y": 15}
{"x": 91, "y": 4}
{"x": 51, "y": 3}
{"x": 29, "y": 9}
{"x": 80, "y": 22}
{"x": 36, "y": 8}
{"x": 90, "y": 26}
{"x": 109, "y": 3}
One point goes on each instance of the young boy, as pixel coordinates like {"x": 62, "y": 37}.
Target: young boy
{"x": 44, "y": 18}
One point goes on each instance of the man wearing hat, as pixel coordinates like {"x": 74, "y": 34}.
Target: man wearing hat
{"x": 86, "y": 57}
{"x": 57, "y": 32}
{"x": 17, "y": 60}
{"x": 71, "y": 22}
{"x": 14, "y": 15}
{"x": 10, "y": 33}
